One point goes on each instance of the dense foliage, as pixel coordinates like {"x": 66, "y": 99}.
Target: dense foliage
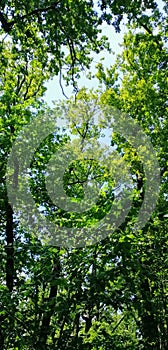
{"x": 112, "y": 294}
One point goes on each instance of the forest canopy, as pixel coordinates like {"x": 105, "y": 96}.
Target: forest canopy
{"x": 102, "y": 283}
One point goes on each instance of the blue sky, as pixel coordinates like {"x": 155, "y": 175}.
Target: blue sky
{"x": 54, "y": 91}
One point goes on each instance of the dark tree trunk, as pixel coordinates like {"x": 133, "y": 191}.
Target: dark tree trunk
{"x": 44, "y": 331}
{"x": 9, "y": 248}
{"x": 149, "y": 322}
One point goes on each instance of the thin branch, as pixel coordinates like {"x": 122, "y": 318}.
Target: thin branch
{"x": 113, "y": 330}
{"x": 34, "y": 94}
{"x": 25, "y": 96}
{"x": 83, "y": 181}
{"x": 20, "y": 84}
{"x": 60, "y": 83}
{"x": 41, "y": 10}
{"x": 149, "y": 31}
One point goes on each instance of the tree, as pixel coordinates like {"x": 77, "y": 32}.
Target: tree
{"x": 22, "y": 84}
{"x": 53, "y": 27}
{"x": 103, "y": 295}
{"x": 143, "y": 94}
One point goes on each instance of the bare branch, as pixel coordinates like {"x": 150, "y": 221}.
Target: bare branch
{"x": 60, "y": 82}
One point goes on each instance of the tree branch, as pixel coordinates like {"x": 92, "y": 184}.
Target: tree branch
{"x": 7, "y": 25}
{"x": 149, "y": 31}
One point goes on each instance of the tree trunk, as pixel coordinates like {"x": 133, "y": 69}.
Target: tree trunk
{"x": 44, "y": 331}
{"x": 149, "y": 322}
{"x": 9, "y": 248}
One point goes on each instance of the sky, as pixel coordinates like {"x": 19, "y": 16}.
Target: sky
{"x": 54, "y": 91}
